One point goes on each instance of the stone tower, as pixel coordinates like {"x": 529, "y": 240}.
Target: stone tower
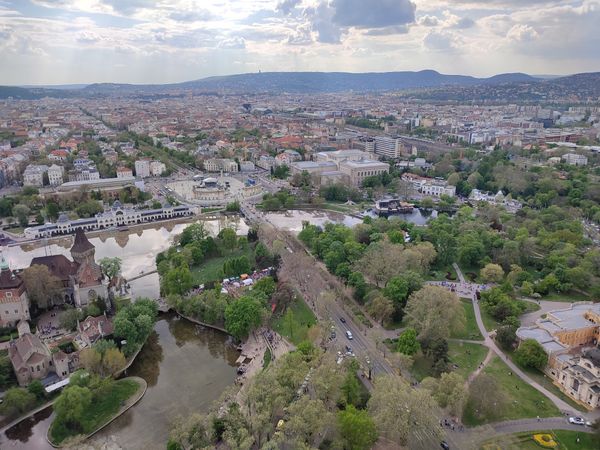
{"x": 83, "y": 251}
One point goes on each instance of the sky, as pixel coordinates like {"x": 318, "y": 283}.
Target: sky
{"x": 163, "y": 41}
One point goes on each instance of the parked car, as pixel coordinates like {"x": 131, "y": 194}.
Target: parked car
{"x": 576, "y": 421}
{"x": 343, "y": 320}
{"x": 349, "y": 334}
{"x": 444, "y": 445}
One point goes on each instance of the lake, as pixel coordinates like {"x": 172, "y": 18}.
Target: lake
{"x": 187, "y": 367}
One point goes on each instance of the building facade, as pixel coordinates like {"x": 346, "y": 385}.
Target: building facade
{"x": 34, "y": 175}
{"x": 357, "y": 171}
{"x": 388, "y": 147}
{"x": 142, "y": 168}
{"x": 14, "y": 302}
{"x": 55, "y": 175}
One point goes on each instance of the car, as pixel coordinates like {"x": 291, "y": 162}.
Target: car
{"x": 343, "y": 320}
{"x": 348, "y": 349}
{"x": 576, "y": 421}
{"x": 349, "y": 335}
{"x": 444, "y": 445}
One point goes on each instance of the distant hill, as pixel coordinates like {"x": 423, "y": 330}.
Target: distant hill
{"x": 426, "y": 84}
{"x": 581, "y": 87}
{"x": 314, "y": 82}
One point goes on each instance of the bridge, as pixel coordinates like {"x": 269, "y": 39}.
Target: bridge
{"x": 141, "y": 275}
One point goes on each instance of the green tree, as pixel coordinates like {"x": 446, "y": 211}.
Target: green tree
{"x": 407, "y": 342}
{"x": 531, "y": 354}
{"x": 37, "y": 388}
{"x": 16, "y": 402}
{"x": 196, "y": 232}
{"x": 71, "y": 404}
{"x": 357, "y": 429}
{"x": 178, "y": 280}
{"x": 492, "y": 273}
{"x": 111, "y": 267}
{"x": 22, "y": 212}
{"x": 449, "y": 391}
{"x": 228, "y": 239}
{"x": 242, "y": 316}
{"x": 42, "y": 287}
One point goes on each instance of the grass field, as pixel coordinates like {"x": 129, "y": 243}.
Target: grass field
{"x": 294, "y": 327}
{"x": 521, "y": 400}
{"x": 101, "y": 410}
{"x": 547, "y": 383}
{"x": 211, "y": 270}
{"x": 567, "y": 440}
{"x": 471, "y": 330}
{"x": 267, "y": 358}
{"x": 440, "y": 274}
{"x": 466, "y": 356}
{"x": 571, "y": 296}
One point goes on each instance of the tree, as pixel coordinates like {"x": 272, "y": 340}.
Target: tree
{"x": 71, "y": 404}
{"x": 111, "y": 267}
{"x": 434, "y": 312}
{"x": 37, "y": 388}
{"x": 228, "y": 239}
{"x": 69, "y": 317}
{"x": 381, "y": 308}
{"x": 42, "y": 287}
{"x": 113, "y": 361}
{"x": 357, "y": 429}
{"x": 308, "y": 421}
{"x": 178, "y": 280}
{"x": 407, "y": 342}
{"x": 449, "y": 391}
{"x": 193, "y": 233}
{"x": 21, "y": 212}
{"x": 400, "y": 411}
{"x": 91, "y": 360}
{"x": 17, "y": 401}
{"x": 531, "y": 354}
{"x": 242, "y": 316}
{"x": 492, "y": 273}
{"x": 486, "y": 398}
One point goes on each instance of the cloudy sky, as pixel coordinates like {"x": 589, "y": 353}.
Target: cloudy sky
{"x": 158, "y": 41}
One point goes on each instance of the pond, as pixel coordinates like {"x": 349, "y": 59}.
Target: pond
{"x": 187, "y": 367}
{"x": 292, "y": 220}
{"x": 136, "y": 248}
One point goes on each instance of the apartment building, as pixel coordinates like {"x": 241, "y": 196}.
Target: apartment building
{"x": 142, "y": 168}
{"x": 55, "y": 175}
{"x": 34, "y": 175}
{"x": 218, "y": 165}
{"x": 124, "y": 172}
{"x": 575, "y": 159}
{"x": 388, "y": 147}
{"x": 157, "y": 168}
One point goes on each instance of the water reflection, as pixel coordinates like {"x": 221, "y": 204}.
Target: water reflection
{"x": 187, "y": 368}
{"x": 137, "y": 249}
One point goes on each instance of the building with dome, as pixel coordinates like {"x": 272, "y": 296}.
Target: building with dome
{"x": 14, "y": 302}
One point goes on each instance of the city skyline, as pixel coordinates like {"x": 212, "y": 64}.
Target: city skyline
{"x": 152, "y": 41}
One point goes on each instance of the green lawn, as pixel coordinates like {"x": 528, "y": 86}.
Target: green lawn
{"x": 294, "y": 327}
{"x": 546, "y": 382}
{"x": 567, "y": 440}
{"x": 521, "y": 400}
{"x": 471, "y": 330}
{"x": 267, "y": 358}
{"x": 102, "y": 410}
{"x": 210, "y": 270}
{"x": 571, "y": 296}
{"x": 466, "y": 356}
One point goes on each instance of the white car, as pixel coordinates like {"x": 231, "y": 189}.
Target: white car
{"x": 576, "y": 421}
{"x": 349, "y": 335}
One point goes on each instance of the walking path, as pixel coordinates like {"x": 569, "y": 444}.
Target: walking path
{"x": 491, "y": 344}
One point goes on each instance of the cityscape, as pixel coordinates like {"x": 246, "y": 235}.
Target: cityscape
{"x": 299, "y": 224}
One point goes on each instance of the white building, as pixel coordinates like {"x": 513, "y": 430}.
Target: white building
{"x": 358, "y": 170}
{"x": 390, "y": 147}
{"x": 157, "y": 168}
{"x": 247, "y": 166}
{"x": 55, "y": 175}
{"x": 575, "y": 159}
{"x": 432, "y": 187}
{"x": 34, "y": 175}
{"x": 142, "y": 168}
{"x": 124, "y": 172}
{"x": 218, "y": 165}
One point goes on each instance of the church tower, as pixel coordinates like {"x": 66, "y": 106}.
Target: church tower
{"x": 83, "y": 251}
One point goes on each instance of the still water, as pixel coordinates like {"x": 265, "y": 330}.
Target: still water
{"x": 186, "y": 367}
{"x": 136, "y": 248}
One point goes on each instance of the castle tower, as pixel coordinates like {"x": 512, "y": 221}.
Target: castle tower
{"x": 82, "y": 250}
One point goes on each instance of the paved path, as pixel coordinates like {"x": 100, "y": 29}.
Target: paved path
{"x": 491, "y": 344}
